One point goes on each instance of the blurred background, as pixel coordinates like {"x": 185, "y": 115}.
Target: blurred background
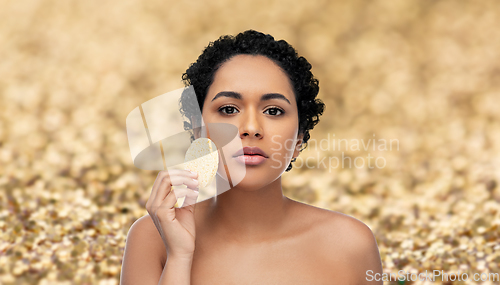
{"x": 425, "y": 74}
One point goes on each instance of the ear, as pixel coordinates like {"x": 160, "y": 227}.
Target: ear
{"x": 298, "y": 145}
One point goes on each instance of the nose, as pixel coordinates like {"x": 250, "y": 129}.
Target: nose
{"x": 250, "y": 126}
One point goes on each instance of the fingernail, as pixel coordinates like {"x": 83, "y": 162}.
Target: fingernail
{"x": 195, "y": 181}
{"x": 193, "y": 172}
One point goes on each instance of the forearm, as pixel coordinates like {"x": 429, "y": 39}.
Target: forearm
{"x": 177, "y": 271}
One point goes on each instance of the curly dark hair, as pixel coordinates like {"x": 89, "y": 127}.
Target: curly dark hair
{"x": 200, "y": 74}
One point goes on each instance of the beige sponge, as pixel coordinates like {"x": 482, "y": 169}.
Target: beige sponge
{"x": 202, "y": 157}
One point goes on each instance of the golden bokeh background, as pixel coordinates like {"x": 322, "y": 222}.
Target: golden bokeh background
{"x": 423, "y": 73}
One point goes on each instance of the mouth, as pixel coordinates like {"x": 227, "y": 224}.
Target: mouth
{"x": 250, "y": 156}
{"x": 250, "y": 151}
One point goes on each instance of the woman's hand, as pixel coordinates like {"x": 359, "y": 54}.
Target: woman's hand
{"x": 175, "y": 225}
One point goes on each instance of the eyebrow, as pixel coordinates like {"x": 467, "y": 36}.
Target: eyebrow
{"x": 236, "y": 95}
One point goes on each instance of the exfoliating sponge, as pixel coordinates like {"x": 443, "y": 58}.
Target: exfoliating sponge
{"x": 202, "y": 157}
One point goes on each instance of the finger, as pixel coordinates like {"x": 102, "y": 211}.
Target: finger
{"x": 167, "y": 207}
{"x": 174, "y": 181}
{"x": 172, "y": 172}
{"x": 190, "y": 200}
{"x": 163, "y": 177}
{"x": 162, "y": 183}
{"x": 184, "y": 192}
{"x": 166, "y": 210}
{"x": 167, "y": 184}
{"x": 159, "y": 178}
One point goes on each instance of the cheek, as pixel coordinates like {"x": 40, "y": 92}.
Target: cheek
{"x": 283, "y": 142}
{"x": 284, "y": 132}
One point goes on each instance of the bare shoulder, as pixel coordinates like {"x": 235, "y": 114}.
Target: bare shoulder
{"x": 349, "y": 229}
{"x": 143, "y": 224}
{"x": 143, "y": 258}
{"x": 329, "y": 221}
{"x": 145, "y": 227}
{"x": 342, "y": 241}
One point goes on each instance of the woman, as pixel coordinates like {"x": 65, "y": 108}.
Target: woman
{"x": 251, "y": 234}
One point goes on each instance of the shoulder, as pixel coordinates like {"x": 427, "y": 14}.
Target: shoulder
{"x": 342, "y": 228}
{"x": 333, "y": 223}
{"x": 342, "y": 241}
{"x": 144, "y": 229}
{"x": 143, "y": 257}
{"x": 142, "y": 226}
{"x": 350, "y": 230}
{"x": 359, "y": 246}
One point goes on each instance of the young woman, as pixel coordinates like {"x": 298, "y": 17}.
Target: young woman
{"x": 251, "y": 234}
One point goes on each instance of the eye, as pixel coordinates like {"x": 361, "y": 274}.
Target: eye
{"x": 229, "y": 109}
{"x": 274, "y": 110}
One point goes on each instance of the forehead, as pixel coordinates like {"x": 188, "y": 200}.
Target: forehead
{"x": 251, "y": 74}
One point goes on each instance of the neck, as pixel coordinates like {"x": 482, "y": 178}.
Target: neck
{"x": 250, "y": 215}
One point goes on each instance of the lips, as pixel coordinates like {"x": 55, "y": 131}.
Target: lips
{"x": 252, "y": 151}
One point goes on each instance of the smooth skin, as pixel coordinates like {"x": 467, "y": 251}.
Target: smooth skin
{"x": 251, "y": 234}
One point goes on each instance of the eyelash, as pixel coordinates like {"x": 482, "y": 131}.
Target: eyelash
{"x": 226, "y": 106}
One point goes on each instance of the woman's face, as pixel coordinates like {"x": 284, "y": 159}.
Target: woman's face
{"x": 255, "y": 95}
